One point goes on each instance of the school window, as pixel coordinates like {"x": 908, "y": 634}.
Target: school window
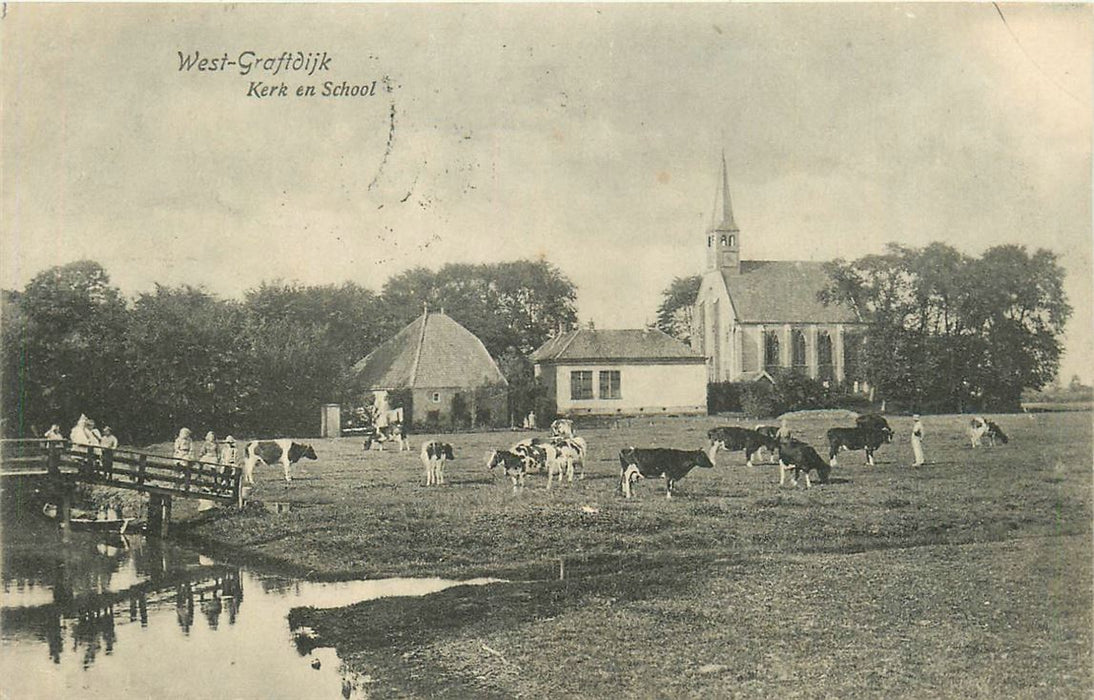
{"x": 609, "y": 384}
{"x": 436, "y": 397}
{"x": 581, "y": 384}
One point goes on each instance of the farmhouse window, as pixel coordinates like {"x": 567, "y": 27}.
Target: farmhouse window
{"x": 581, "y": 384}
{"x": 609, "y": 384}
{"x": 436, "y": 397}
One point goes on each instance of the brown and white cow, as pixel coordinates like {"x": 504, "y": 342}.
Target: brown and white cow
{"x": 286, "y": 452}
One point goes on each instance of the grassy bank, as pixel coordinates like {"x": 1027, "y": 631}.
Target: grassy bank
{"x": 968, "y": 576}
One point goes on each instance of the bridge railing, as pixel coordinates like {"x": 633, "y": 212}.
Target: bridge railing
{"x": 127, "y": 469}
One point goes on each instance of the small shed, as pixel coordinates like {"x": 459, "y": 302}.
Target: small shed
{"x": 448, "y": 371}
{"x": 631, "y": 371}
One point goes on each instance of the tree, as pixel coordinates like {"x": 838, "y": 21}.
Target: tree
{"x": 519, "y": 304}
{"x": 674, "y": 315}
{"x": 949, "y": 332}
{"x": 63, "y": 349}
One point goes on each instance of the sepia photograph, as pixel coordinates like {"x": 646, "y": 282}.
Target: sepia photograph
{"x": 534, "y": 350}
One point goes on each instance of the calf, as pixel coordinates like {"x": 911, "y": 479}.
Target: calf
{"x": 511, "y": 463}
{"x": 560, "y": 461}
{"x": 799, "y": 457}
{"x": 857, "y": 438}
{"x": 434, "y": 455}
{"x": 733, "y": 439}
{"x": 285, "y": 451}
{"x": 673, "y": 465}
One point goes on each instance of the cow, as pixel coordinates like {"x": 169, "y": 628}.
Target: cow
{"x": 857, "y": 438}
{"x": 381, "y": 436}
{"x": 980, "y": 428}
{"x": 733, "y": 439}
{"x": 673, "y": 465}
{"x": 434, "y": 455}
{"x": 285, "y": 451}
{"x": 534, "y": 452}
{"x": 514, "y": 465}
{"x": 801, "y": 458}
{"x": 560, "y": 460}
{"x": 562, "y": 428}
{"x": 580, "y": 448}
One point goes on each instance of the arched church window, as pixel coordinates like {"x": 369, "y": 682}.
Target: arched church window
{"x": 732, "y": 240}
{"x": 771, "y": 350}
{"x": 798, "y": 351}
{"x": 723, "y": 239}
{"x": 710, "y": 241}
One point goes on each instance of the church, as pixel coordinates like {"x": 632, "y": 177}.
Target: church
{"x": 754, "y": 317}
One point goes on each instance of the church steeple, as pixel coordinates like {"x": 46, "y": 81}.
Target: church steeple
{"x": 723, "y": 238}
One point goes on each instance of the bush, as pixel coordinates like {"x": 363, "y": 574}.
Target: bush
{"x": 759, "y": 400}
{"x": 724, "y": 397}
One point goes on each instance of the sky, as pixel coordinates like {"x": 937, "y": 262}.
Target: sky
{"x": 589, "y": 135}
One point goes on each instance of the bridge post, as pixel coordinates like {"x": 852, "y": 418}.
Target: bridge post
{"x": 54, "y": 463}
{"x": 66, "y": 511}
{"x": 159, "y": 515}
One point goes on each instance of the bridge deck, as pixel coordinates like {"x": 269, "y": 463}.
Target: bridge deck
{"x": 124, "y": 469}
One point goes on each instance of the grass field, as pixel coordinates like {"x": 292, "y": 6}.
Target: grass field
{"x": 967, "y": 577}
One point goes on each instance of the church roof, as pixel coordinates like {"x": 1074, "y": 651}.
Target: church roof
{"x": 601, "y": 345}
{"x": 432, "y": 352}
{"x": 782, "y": 291}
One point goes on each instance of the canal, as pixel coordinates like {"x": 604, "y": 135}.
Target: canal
{"x": 102, "y": 616}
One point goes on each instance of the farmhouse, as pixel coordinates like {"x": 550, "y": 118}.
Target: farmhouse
{"x": 755, "y": 316}
{"x": 621, "y": 371}
{"x": 446, "y": 368}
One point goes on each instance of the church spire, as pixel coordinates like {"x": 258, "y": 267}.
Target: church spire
{"x": 727, "y": 224}
{"x": 724, "y": 238}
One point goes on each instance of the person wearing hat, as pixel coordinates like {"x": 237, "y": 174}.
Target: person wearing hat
{"x": 228, "y": 453}
{"x": 184, "y": 447}
{"x": 917, "y": 440}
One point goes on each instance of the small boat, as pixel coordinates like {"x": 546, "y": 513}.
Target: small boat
{"x": 90, "y": 521}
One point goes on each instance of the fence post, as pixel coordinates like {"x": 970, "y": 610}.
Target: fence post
{"x": 54, "y": 463}
{"x": 142, "y": 464}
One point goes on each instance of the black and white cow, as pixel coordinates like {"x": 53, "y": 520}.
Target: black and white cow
{"x": 801, "y": 458}
{"x": 867, "y": 438}
{"x": 636, "y": 463}
{"x": 732, "y": 439}
{"x": 534, "y": 452}
{"x": 286, "y": 452}
{"x": 872, "y": 420}
{"x": 514, "y": 465}
{"x": 434, "y": 455}
{"x": 980, "y": 428}
{"x": 580, "y": 449}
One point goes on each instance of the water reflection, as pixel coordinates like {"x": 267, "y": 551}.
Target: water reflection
{"x": 141, "y": 618}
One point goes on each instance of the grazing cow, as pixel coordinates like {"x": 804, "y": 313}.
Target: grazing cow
{"x": 857, "y": 438}
{"x": 514, "y": 465}
{"x": 285, "y": 451}
{"x": 799, "y": 457}
{"x": 563, "y": 427}
{"x": 434, "y": 454}
{"x": 980, "y": 428}
{"x": 733, "y": 439}
{"x": 381, "y": 436}
{"x": 771, "y": 431}
{"x": 673, "y": 465}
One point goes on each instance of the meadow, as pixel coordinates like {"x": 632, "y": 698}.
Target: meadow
{"x": 967, "y": 577}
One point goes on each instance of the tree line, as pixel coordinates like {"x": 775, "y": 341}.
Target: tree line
{"x": 181, "y": 356}
{"x": 948, "y": 331}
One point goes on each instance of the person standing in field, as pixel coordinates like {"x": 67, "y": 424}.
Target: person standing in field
{"x": 917, "y": 441}
{"x": 783, "y": 433}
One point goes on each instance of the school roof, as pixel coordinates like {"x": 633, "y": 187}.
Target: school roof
{"x": 782, "y": 291}
{"x": 588, "y": 345}
{"x": 432, "y": 352}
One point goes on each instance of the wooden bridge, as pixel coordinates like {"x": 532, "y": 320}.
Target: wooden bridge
{"x": 163, "y": 478}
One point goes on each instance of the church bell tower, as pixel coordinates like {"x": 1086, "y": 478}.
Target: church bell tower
{"x": 724, "y": 238}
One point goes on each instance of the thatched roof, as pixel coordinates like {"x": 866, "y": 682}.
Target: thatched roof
{"x": 432, "y": 352}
